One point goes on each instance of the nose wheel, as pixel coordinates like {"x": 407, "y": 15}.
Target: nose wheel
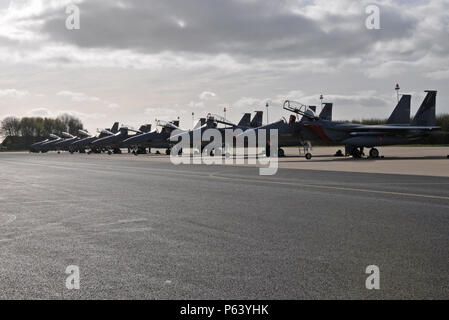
{"x": 307, "y": 147}
{"x": 281, "y": 153}
{"x": 374, "y": 153}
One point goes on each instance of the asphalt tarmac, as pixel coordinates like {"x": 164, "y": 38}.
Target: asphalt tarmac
{"x": 142, "y": 229}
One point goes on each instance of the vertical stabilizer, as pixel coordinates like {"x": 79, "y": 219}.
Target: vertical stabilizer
{"x": 245, "y": 121}
{"x": 426, "y": 115}
{"x": 401, "y": 114}
{"x": 114, "y": 128}
{"x": 326, "y": 113}
{"x": 257, "y": 120}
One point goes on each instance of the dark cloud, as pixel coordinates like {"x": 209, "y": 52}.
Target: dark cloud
{"x": 256, "y": 29}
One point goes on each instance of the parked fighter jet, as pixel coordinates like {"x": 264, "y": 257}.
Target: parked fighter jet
{"x": 154, "y": 139}
{"x": 292, "y": 133}
{"x": 81, "y": 145}
{"x": 355, "y": 137}
{"x": 397, "y": 130}
{"x": 113, "y": 143}
{"x": 65, "y": 145}
{"x": 50, "y": 145}
{"x": 35, "y": 147}
{"x": 212, "y": 122}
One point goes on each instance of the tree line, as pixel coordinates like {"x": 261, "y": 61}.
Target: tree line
{"x": 40, "y": 127}
{"x": 442, "y": 121}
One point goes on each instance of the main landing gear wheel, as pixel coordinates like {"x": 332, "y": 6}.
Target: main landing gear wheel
{"x": 308, "y": 156}
{"x": 281, "y": 153}
{"x": 167, "y": 152}
{"x": 374, "y": 153}
{"x": 357, "y": 154}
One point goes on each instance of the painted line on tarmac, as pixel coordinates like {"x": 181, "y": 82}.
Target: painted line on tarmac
{"x": 316, "y": 186}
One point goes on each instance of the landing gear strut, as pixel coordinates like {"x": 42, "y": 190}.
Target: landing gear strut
{"x": 355, "y": 152}
{"x": 307, "y": 146}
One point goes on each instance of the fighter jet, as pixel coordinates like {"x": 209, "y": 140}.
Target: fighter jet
{"x": 51, "y": 144}
{"x": 212, "y": 122}
{"x": 66, "y": 144}
{"x": 35, "y": 147}
{"x": 355, "y": 137}
{"x": 153, "y": 139}
{"x": 397, "y": 130}
{"x": 292, "y": 133}
{"x": 114, "y": 143}
{"x": 81, "y": 145}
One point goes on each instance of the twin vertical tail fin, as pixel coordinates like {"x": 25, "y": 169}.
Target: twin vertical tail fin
{"x": 326, "y": 113}
{"x": 426, "y": 115}
{"x": 246, "y": 120}
{"x": 200, "y": 123}
{"x": 401, "y": 114}
{"x": 257, "y": 120}
{"x": 114, "y": 128}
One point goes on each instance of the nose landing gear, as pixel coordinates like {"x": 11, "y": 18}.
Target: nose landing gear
{"x": 281, "y": 153}
{"x": 355, "y": 151}
{"x": 374, "y": 153}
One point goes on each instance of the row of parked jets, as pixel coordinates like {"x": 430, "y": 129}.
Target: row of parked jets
{"x": 303, "y": 127}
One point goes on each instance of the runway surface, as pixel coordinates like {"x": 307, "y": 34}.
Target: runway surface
{"x": 151, "y": 230}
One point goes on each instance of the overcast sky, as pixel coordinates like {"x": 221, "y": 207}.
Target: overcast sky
{"x": 133, "y": 61}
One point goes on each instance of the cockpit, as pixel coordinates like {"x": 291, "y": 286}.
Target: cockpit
{"x": 307, "y": 112}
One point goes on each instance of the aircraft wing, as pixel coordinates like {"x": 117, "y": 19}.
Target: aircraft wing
{"x": 389, "y": 128}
